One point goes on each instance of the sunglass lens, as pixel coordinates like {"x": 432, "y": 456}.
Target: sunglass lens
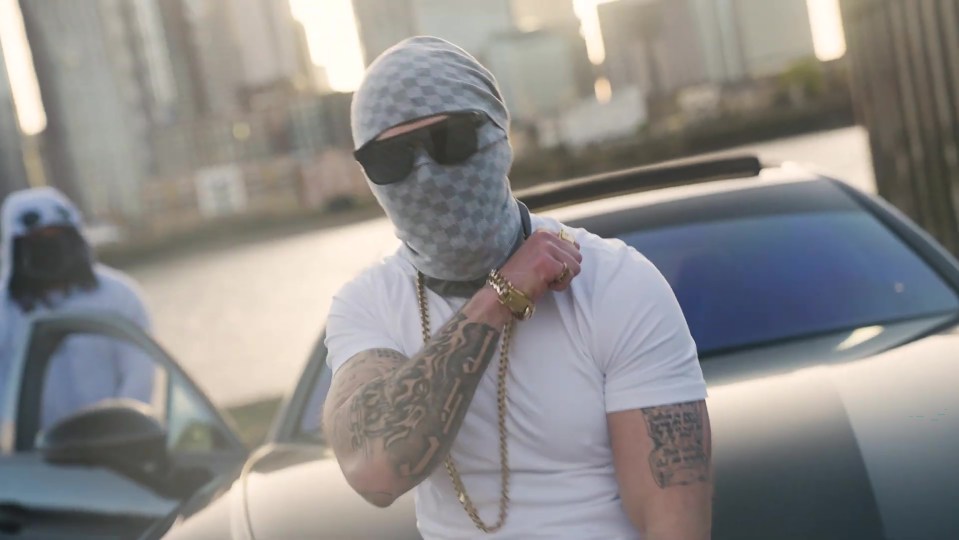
{"x": 453, "y": 141}
{"x": 386, "y": 162}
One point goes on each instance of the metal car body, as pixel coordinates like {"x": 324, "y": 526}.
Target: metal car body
{"x": 848, "y": 432}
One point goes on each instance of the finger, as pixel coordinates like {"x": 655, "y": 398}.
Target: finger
{"x": 567, "y": 236}
{"x": 560, "y": 248}
{"x": 567, "y": 269}
{"x": 563, "y": 235}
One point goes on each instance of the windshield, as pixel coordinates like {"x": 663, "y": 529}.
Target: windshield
{"x": 748, "y": 281}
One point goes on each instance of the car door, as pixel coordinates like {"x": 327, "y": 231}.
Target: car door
{"x": 198, "y": 437}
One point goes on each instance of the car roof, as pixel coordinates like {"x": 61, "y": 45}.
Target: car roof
{"x": 776, "y": 189}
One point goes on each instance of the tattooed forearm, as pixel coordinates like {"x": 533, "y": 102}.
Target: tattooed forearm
{"x": 412, "y": 414}
{"x": 681, "y": 443}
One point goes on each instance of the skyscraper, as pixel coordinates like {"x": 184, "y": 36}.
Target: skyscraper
{"x": 535, "y": 14}
{"x": 652, "y": 44}
{"x": 381, "y": 24}
{"x": 225, "y": 51}
{"x": 266, "y": 38}
{"x": 104, "y": 80}
{"x": 773, "y": 34}
{"x": 471, "y": 24}
{"x": 663, "y": 45}
{"x": 535, "y": 74}
{"x": 13, "y": 174}
{"x": 559, "y": 18}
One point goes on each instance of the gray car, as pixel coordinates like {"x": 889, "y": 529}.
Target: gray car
{"x": 828, "y": 330}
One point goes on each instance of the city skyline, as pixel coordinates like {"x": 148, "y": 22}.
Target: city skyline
{"x": 334, "y": 45}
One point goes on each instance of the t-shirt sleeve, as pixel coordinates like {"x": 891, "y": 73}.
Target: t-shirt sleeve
{"x": 642, "y": 340}
{"x": 356, "y": 322}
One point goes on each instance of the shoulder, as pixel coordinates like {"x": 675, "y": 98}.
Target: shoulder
{"x": 119, "y": 291}
{"x": 377, "y": 281}
{"x": 118, "y": 284}
{"x": 607, "y": 262}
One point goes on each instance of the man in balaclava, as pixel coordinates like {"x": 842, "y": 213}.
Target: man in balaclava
{"x": 529, "y": 380}
{"x": 48, "y": 266}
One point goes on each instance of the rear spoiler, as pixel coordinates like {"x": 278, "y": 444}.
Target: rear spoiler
{"x": 668, "y": 174}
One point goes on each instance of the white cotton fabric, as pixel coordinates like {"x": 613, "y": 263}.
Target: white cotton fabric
{"x": 616, "y": 340}
{"x": 85, "y": 369}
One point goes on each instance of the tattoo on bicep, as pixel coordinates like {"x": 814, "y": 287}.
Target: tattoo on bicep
{"x": 414, "y": 412}
{"x": 681, "y": 443}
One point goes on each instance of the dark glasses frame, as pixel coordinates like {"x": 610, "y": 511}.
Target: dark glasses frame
{"x": 450, "y": 141}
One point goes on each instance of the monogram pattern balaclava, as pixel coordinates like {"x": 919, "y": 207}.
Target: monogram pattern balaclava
{"x": 456, "y": 222}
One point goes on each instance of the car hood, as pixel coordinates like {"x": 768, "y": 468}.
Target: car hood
{"x": 287, "y": 491}
{"x": 298, "y": 490}
{"x": 846, "y": 436}
{"x": 854, "y": 444}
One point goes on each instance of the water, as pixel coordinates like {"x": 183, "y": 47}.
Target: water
{"x": 242, "y": 320}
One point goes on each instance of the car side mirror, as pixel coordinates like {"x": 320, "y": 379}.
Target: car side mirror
{"x": 118, "y": 434}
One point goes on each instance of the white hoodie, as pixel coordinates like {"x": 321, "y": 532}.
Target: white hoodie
{"x": 84, "y": 369}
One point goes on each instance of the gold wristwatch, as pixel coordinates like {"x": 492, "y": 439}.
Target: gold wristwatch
{"x": 514, "y": 299}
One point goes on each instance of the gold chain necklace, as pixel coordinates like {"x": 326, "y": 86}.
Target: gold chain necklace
{"x": 501, "y": 409}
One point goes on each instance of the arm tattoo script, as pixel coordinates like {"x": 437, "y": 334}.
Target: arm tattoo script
{"x": 681, "y": 443}
{"x": 414, "y": 413}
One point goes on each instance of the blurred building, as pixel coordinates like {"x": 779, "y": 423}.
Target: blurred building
{"x": 310, "y": 77}
{"x": 266, "y": 39}
{"x": 381, "y": 24}
{"x": 278, "y": 161}
{"x": 205, "y": 58}
{"x": 105, "y": 80}
{"x": 471, "y": 24}
{"x": 535, "y": 71}
{"x": 13, "y": 174}
{"x": 591, "y": 122}
{"x": 774, "y": 35}
{"x": 226, "y": 52}
{"x": 535, "y": 14}
{"x": 559, "y": 17}
{"x": 653, "y": 45}
{"x": 662, "y": 46}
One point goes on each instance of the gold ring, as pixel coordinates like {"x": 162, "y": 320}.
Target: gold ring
{"x": 564, "y": 274}
{"x": 565, "y": 235}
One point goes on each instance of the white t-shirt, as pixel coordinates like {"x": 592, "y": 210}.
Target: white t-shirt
{"x": 616, "y": 340}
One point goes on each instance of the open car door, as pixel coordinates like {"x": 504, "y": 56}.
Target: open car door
{"x": 112, "y": 466}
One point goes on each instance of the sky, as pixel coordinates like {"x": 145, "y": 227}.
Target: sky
{"x": 331, "y": 32}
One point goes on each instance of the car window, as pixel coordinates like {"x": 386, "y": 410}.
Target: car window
{"x": 86, "y": 368}
{"x": 191, "y": 424}
{"x": 746, "y": 281}
{"x": 310, "y": 427}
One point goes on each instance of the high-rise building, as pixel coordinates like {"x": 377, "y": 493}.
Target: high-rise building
{"x": 651, "y": 44}
{"x": 774, "y": 35}
{"x": 105, "y": 79}
{"x": 266, "y": 39}
{"x": 381, "y": 24}
{"x": 471, "y": 24}
{"x": 559, "y": 18}
{"x": 13, "y": 174}
{"x": 224, "y": 52}
{"x": 663, "y": 45}
{"x": 535, "y": 74}
{"x": 205, "y": 61}
{"x": 535, "y": 14}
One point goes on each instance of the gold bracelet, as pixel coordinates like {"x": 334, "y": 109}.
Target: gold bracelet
{"x": 514, "y": 299}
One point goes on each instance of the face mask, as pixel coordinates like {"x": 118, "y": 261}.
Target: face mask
{"x": 457, "y": 222}
{"x": 53, "y": 257}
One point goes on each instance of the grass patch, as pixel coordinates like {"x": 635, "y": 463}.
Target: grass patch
{"x": 253, "y": 420}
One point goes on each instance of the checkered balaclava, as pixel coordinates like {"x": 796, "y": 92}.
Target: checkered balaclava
{"x": 456, "y": 222}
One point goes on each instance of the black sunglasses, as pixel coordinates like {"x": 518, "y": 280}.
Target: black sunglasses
{"x": 448, "y": 142}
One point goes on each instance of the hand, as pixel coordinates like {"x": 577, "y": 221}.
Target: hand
{"x": 539, "y": 263}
